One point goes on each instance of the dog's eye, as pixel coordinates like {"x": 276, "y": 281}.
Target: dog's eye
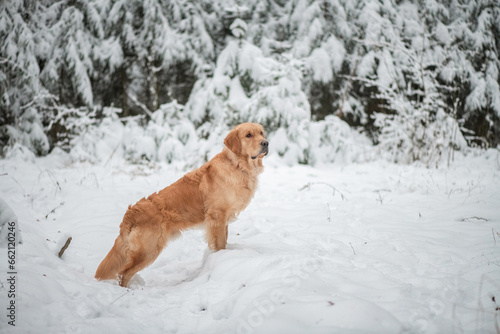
{"x": 249, "y": 135}
{"x": 261, "y": 133}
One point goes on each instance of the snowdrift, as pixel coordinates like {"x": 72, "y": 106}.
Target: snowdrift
{"x": 347, "y": 248}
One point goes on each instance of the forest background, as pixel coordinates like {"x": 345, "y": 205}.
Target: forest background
{"x": 330, "y": 80}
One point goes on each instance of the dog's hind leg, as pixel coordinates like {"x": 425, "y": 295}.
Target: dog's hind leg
{"x": 145, "y": 246}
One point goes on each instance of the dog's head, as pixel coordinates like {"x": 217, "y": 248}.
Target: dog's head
{"x": 248, "y": 140}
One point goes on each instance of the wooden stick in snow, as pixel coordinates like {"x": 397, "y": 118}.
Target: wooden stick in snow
{"x": 61, "y": 252}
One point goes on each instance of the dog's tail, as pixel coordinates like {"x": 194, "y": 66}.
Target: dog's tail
{"x": 114, "y": 261}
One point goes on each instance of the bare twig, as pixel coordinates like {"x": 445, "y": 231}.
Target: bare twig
{"x": 63, "y": 249}
{"x": 112, "y": 153}
{"x": 470, "y": 219}
{"x": 493, "y": 232}
{"x": 120, "y": 297}
{"x": 308, "y": 186}
{"x": 352, "y": 249}
{"x": 140, "y": 105}
{"x": 54, "y": 210}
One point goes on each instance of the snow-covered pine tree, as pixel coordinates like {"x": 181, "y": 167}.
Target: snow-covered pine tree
{"x": 76, "y": 63}
{"x": 165, "y": 46}
{"x": 401, "y": 65}
{"x": 420, "y": 63}
{"x": 108, "y": 76}
{"x": 196, "y": 26}
{"x": 478, "y": 45}
{"x": 119, "y": 27}
{"x": 318, "y": 32}
{"x": 143, "y": 31}
{"x": 247, "y": 86}
{"x": 68, "y": 63}
{"x": 23, "y": 100}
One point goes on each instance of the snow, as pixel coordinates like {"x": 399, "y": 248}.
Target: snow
{"x": 442, "y": 34}
{"x": 139, "y": 145}
{"x": 367, "y": 65}
{"x": 29, "y": 133}
{"x": 344, "y": 248}
{"x": 238, "y": 28}
{"x": 8, "y": 223}
{"x": 493, "y": 87}
{"x": 386, "y": 71}
{"x": 109, "y": 51}
{"x": 237, "y": 98}
{"x": 336, "y": 51}
{"x": 477, "y": 98}
{"x": 319, "y": 62}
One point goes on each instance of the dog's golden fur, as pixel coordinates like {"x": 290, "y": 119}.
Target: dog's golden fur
{"x": 213, "y": 195}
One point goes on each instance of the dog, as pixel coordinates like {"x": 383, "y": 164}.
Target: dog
{"x": 211, "y": 196}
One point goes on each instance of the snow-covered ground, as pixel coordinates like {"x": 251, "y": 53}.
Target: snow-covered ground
{"x": 359, "y": 248}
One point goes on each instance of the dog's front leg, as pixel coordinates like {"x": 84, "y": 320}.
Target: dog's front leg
{"x": 216, "y": 230}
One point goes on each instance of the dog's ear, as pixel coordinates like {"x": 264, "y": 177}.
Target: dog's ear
{"x": 232, "y": 142}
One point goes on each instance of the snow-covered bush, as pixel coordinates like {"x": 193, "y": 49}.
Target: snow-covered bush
{"x": 167, "y": 137}
{"x": 27, "y": 132}
{"x": 98, "y": 141}
{"x": 417, "y": 135}
{"x": 67, "y": 123}
{"x": 174, "y": 135}
{"x": 332, "y": 140}
{"x": 138, "y": 144}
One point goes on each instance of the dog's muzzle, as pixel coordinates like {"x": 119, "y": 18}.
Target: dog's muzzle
{"x": 264, "y": 149}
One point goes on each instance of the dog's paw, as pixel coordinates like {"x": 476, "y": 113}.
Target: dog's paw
{"x": 136, "y": 282}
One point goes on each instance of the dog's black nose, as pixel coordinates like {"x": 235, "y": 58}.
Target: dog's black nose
{"x": 264, "y": 143}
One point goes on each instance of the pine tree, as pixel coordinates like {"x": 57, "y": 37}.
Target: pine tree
{"x": 413, "y": 120}
{"x": 22, "y": 98}
{"x": 69, "y": 64}
{"x": 247, "y": 86}
{"x": 481, "y": 111}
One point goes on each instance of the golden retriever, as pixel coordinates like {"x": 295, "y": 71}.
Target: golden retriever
{"x": 211, "y": 196}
